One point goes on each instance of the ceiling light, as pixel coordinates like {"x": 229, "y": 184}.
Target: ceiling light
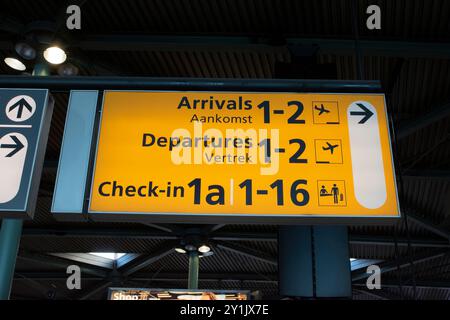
{"x": 55, "y": 55}
{"x": 25, "y": 50}
{"x": 14, "y": 63}
{"x": 207, "y": 254}
{"x": 67, "y": 69}
{"x": 180, "y": 250}
{"x": 190, "y": 247}
{"x": 204, "y": 249}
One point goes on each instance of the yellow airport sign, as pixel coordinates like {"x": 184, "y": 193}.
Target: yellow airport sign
{"x": 236, "y": 154}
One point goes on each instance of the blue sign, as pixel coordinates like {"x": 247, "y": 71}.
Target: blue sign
{"x": 25, "y": 116}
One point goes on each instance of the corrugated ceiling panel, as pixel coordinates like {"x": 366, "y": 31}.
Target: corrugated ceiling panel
{"x": 221, "y": 262}
{"x": 376, "y": 251}
{"x": 427, "y": 197}
{"x": 409, "y": 19}
{"x": 89, "y": 244}
{"x": 197, "y": 63}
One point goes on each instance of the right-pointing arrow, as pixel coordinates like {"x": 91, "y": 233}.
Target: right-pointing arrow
{"x": 17, "y": 146}
{"x": 365, "y": 112}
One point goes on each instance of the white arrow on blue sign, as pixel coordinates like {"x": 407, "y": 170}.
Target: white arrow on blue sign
{"x": 25, "y": 116}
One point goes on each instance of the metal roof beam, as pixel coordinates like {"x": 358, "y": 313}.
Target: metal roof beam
{"x": 248, "y": 252}
{"x": 326, "y": 46}
{"x": 341, "y": 46}
{"x": 139, "y": 234}
{"x": 427, "y": 174}
{"x": 213, "y": 228}
{"x": 402, "y": 242}
{"x": 157, "y": 226}
{"x": 217, "y": 236}
{"x": 163, "y": 276}
{"x": 428, "y": 225}
{"x": 419, "y": 284}
{"x": 62, "y": 263}
{"x": 400, "y": 263}
{"x": 374, "y": 293}
{"x": 217, "y": 84}
{"x": 11, "y": 25}
{"x": 244, "y": 236}
{"x": 129, "y": 268}
{"x": 209, "y": 277}
{"x": 147, "y": 260}
{"x": 94, "y": 290}
{"x": 97, "y": 233}
{"x": 420, "y": 122}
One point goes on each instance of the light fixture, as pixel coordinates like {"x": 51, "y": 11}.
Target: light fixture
{"x": 15, "y": 63}
{"x": 207, "y": 254}
{"x": 25, "y": 51}
{"x": 204, "y": 248}
{"x": 67, "y": 69}
{"x": 190, "y": 247}
{"x": 55, "y": 55}
{"x": 180, "y": 250}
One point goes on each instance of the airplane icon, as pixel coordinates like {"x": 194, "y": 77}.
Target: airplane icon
{"x": 321, "y": 109}
{"x": 330, "y": 147}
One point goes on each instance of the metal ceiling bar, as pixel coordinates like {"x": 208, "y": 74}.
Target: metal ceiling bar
{"x": 419, "y": 284}
{"x": 427, "y": 174}
{"x": 39, "y": 287}
{"x": 248, "y": 252}
{"x": 86, "y": 258}
{"x": 100, "y": 287}
{"x": 130, "y": 268}
{"x": 149, "y": 83}
{"x": 326, "y": 46}
{"x": 62, "y": 263}
{"x": 244, "y": 236}
{"x": 119, "y": 233}
{"x": 139, "y": 234}
{"x": 410, "y": 163}
{"x": 11, "y": 25}
{"x": 163, "y": 276}
{"x": 225, "y": 236}
{"x": 340, "y": 46}
{"x": 147, "y": 260}
{"x": 157, "y": 226}
{"x": 424, "y": 223}
{"x": 400, "y": 263}
{"x": 375, "y": 294}
{"x": 214, "y": 228}
{"x": 412, "y": 126}
{"x": 272, "y": 278}
{"x": 389, "y": 241}
{"x": 127, "y": 258}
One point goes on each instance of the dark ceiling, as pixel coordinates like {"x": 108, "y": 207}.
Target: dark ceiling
{"x": 410, "y": 56}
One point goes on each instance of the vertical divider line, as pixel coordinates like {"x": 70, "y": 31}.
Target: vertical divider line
{"x": 93, "y": 151}
{"x": 231, "y": 191}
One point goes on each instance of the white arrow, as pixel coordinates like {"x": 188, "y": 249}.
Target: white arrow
{"x": 12, "y": 161}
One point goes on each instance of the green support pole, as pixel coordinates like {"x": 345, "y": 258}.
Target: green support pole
{"x": 11, "y": 229}
{"x": 9, "y": 245}
{"x": 193, "y": 270}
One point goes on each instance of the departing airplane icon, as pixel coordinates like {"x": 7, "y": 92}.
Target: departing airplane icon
{"x": 330, "y": 147}
{"x": 321, "y": 109}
